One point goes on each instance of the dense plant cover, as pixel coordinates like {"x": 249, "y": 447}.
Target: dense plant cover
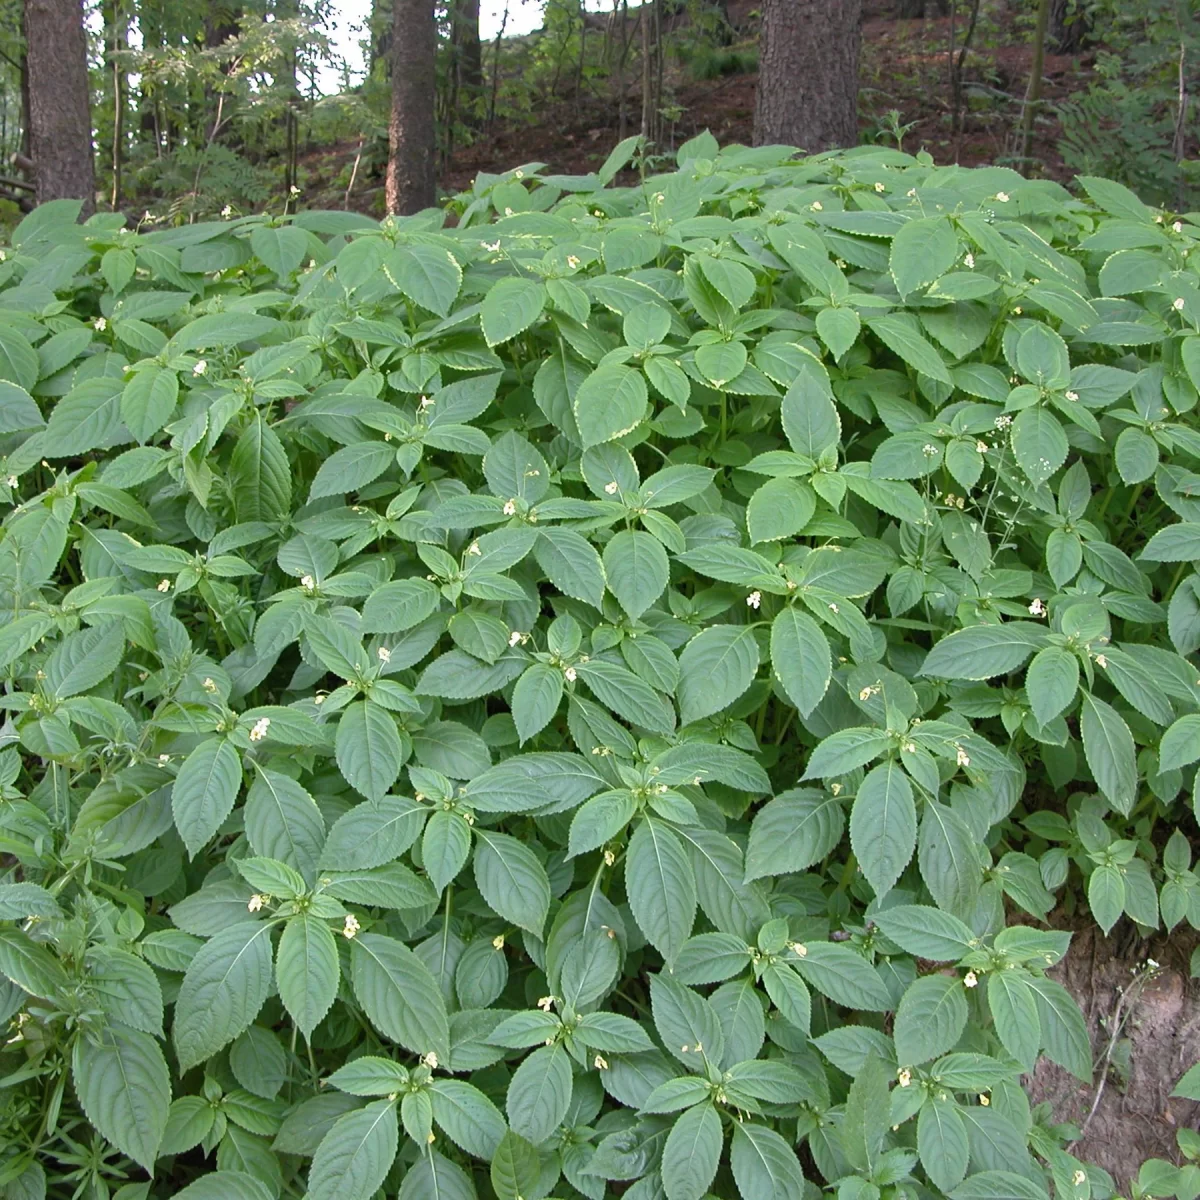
{"x": 597, "y": 700}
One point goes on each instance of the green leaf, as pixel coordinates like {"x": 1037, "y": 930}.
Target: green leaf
{"x": 661, "y": 887}
{"x": 512, "y": 880}
{"x": 1051, "y": 682}
{"x": 510, "y": 307}
{"x": 845, "y": 750}
{"x": 983, "y": 651}
{"x": 926, "y": 932}
{"x": 867, "y": 1116}
{"x": 123, "y": 1085}
{"x": 691, "y": 1153}
{"x": 282, "y": 821}
{"x": 571, "y": 564}
{"x": 225, "y": 1185}
{"x": 901, "y": 335}
{"x": 1014, "y": 1009}
{"x": 351, "y": 468}
{"x": 1106, "y": 896}
{"x": 779, "y": 509}
{"x": 930, "y": 1019}
{"x": 306, "y": 968}
{"x": 609, "y": 403}
{"x": 148, "y": 400}
{"x": 810, "y": 418}
{"x": 369, "y": 835}
{"x": 793, "y": 831}
{"x": 764, "y": 1166}
{"x": 225, "y": 985}
{"x": 282, "y": 247}
{"x": 516, "y": 1168}
{"x": 399, "y": 994}
{"x": 1039, "y": 443}
{"x": 844, "y": 976}
{"x": 369, "y": 752}
{"x": 883, "y": 826}
{"x": 1109, "y": 750}
{"x": 535, "y": 699}
{"x": 1175, "y": 543}
{"x": 356, "y": 1154}
{"x": 1180, "y": 744}
{"x": 428, "y": 275}
{"x": 715, "y": 668}
{"x": 539, "y": 1093}
{"x": 1064, "y": 1031}
{"x": 204, "y": 791}
{"x": 260, "y": 478}
{"x": 838, "y": 328}
{"x": 923, "y": 250}
{"x": 636, "y": 569}
{"x": 942, "y": 1144}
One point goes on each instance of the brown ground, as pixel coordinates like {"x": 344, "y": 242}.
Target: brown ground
{"x": 1136, "y": 1117}
{"x": 904, "y": 67}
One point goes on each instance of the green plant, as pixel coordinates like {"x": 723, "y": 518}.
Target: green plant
{"x": 561, "y": 704}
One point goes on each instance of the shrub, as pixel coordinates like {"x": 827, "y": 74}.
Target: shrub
{"x": 609, "y": 690}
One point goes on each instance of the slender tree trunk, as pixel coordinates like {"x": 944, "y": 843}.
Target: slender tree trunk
{"x": 1033, "y": 95}
{"x": 468, "y": 58}
{"x": 411, "y": 134}
{"x": 116, "y": 37}
{"x": 60, "y": 121}
{"x": 808, "y": 74}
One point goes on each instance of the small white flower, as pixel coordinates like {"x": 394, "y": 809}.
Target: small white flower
{"x": 101, "y": 324}
{"x": 474, "y": 550}
{"x": 1101, "y": 661}
{"x": 1017, "y": 311}
{"x": 982, "y": 447}
{"x": 659, "y": 198}
{"x": 600, "y": 1063}
{"x": 515, "y": 637}
{"x": 163, "y": 759}
{"x": 546, "y": 1003}
{"x": 385, "y": 655}
{"x": 799, "y": 949}
{"x": 491, "y": 247}
{"x": 929, "y": 450}
{"x": 209, "y": 686}
{"x": 164, "y": 585}
{"x": 904, "y": 1077}
{"x": 970, "y": 980}
{"x": 508, "y": 212}
{"x": 835, "y": 789}
{"x": 1002, "y": 197}
{"x": 962, "y": 757}
{"x": 200, "y": 368}
{"x": 1003, "y": 422}
{"x": 754, "y": 599}
{"x": 609, "y": 858}
{"x": 817, "y": 206}
{"x": 260, "y": 729}
{"x": 878, "y": 186}
{"x": 911, "y": 193}
{"x": 429, "y": 1060}
{"x": 1178, "y": 303}
{"x": 351, "y": 927}
{"x": 612, "y": 488}
{"x": 572, "y": 262}
{"x": 866, "y": 693}
{"x": 1154, "y": 966}
{"x": 3, "y": 255}
{"x": 293, "y": 190}
{"x": 570, "y": 674}
{"x": 1177, "y": 226}
{"x": 969, "y": 261}
{"x": 498, "y": 942}
{"x": 1072, "y": 396}
{"x": 1080, "y": 1177}
{"x": 256, "y": 902}
{"x": 833, "y": 608}
{"x": 11, "y": 481}
{"x": 227, "y": 211}
{"x": 510, "y": 508}
{"x": 1037, "y": 608}
{"x": 909, "y": 747}
{"x": 984, "y": 1099}
{"x": 426, "y": 402}
{"x": 307, "y": 581}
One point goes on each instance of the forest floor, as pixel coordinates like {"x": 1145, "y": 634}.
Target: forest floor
{"x": 905, "y": 68}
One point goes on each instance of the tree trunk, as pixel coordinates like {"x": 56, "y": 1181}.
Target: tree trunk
{"x": 468, "y": 58}
{"x": 1069, "y": 26}
{"x": 808, "y": 74}
{"x": 60, "y": 122}
{"x": 411, "y": 134}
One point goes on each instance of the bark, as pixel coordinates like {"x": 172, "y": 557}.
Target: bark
{"x": 411, "y": 134}
{"x": 1033, "y": 95}
{"x": 468, "y": 54}
{"x": 808, "y": 74}
{"x": 60, "y": 122}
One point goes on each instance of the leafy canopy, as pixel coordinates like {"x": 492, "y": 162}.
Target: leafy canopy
{"x": 562, "y": 705}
